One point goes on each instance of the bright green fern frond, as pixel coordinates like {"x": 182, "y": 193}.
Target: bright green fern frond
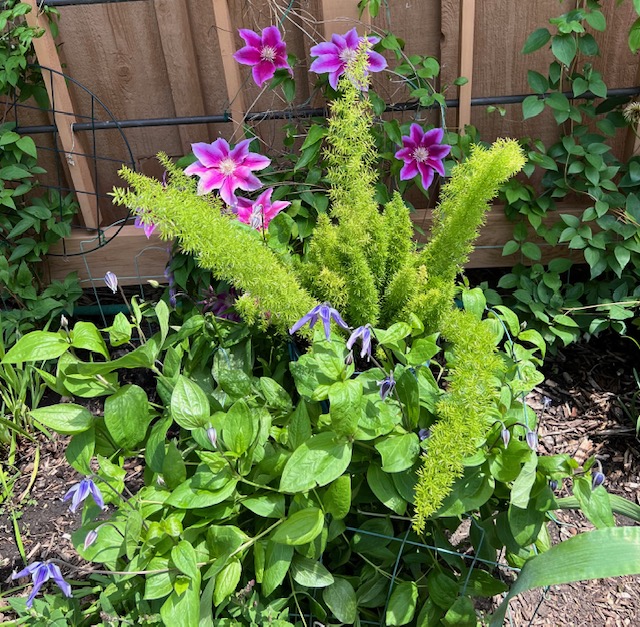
{"x": 233, "y": 251}
{"x": 463, "y": 203}
{"x": 462, "y": 412}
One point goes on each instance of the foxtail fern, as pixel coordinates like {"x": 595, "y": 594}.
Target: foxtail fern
{"x": 233, "y": 251}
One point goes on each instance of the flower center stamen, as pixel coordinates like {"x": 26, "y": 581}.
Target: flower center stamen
{"x": 420, "y": 154}
{"x": 348, "y": 55}
{"x": 268, "y": 54}
{"x": 227, "y": 166}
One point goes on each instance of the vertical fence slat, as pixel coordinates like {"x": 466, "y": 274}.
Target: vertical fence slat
{"x": 76, "y": 165}
{"x": 232, "y": 75}
{"x": 182, "y": 64}
{"x": 467, "y": 24}
{"x": 335, "y": 12}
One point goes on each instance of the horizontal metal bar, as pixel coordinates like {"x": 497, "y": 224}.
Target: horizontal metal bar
{"x": 295, "y": 114}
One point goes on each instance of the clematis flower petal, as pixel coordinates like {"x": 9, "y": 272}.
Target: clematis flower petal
{"x": 264, "y": 53}
{"x": 422, "y": 153}
{"x": 210, "y": 155}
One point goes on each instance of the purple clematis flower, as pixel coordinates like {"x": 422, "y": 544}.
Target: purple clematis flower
{"x": 80, "y": 491}
{"x": 111, "y": 281}
{"x": 364, "y": 334}
{"x": 41, "y": 572}
{"x": 147, "y": 227}
{"x": 221, "y": 167}
{"x": 422, "y": 153}
{"x": 266, "y": 53}
{"x": 259, "y": 212}
{"x": 387, "y": 385}
{"x": 324, "y": 312}
{"x": 335, "y": 55}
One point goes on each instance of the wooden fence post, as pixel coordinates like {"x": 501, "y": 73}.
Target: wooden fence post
{"x": 232, "y": 76}
{"x": 180, "y": 58}
{"x": 76, "y": 163}
{"x": 467, "y": 24}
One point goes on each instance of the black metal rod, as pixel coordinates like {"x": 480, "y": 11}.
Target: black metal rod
{"x": 69, "y": 3}
{"x": 295, "y": 114}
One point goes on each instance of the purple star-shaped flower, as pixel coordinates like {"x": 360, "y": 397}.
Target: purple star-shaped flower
{"x": 387, "y": 386}
{"x": 259, "y": 212}
{"x": 324, "y": 312}
{"x": 422, "y": 153}
{"x": 41, "y": 572}
{"x": 80, "y": 491}
{"x": 266, "y": 53}
{"x": 221, "y": 167}
{"x": 147, "y": 227}
{"x": 364, "y": 334}
{"x": 335, "y": 55}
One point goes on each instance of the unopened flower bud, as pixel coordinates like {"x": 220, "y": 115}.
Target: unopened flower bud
{"x": 597, "y": 479}
{"x": 64, "y": 323}
{"x": 532, "y": 440}
{"x": 348, "y": 360}
{"x": 212, "y": 435}
{"x": 424, "y": 434}
{"x": 111, "y": 281}
{"x": 553, "y": 484}
{"x": 506, "y": 436}
{"x": 90, "y": 538}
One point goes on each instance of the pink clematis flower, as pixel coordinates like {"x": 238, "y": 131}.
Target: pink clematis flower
{"x": 147, "y": 227}
{"x": 422, "y": 153}
{"x": 266, "y": 53}
{"x": 226, "y": 169}
{"x": 259, "y": 212}
{"x": 333, "y": 56}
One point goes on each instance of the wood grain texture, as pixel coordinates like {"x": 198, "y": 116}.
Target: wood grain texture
{"x": 467, "y": 49}
{"x": 172, "y": 17}
{"x": 72, "y": 146}
{"x": 132, "y": 257}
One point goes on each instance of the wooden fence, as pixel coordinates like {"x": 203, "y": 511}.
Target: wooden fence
{"x": 149, "y": 59}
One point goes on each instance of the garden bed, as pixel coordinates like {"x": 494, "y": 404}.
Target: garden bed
{"x": 588, "y": 384}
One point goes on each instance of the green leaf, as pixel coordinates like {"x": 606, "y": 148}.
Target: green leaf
{"x": 80, "y": 451}
{"x": 344, "y": 406}
{"x": 398, "y": 452}
{"x": 120, "y": 330}
{"x": 184, "y": 558}
{"x": 594, "y": 503}
{"x": 532, "y": 106}
{"x": 538, "y": 83}
{"x": 28, "y": 146}
{"x": 174, "y": 470}
{"x": 536, "y": 40}
{"x": 183, "y": 609}
{"x": 127, "y": 417}
{"x": 189, "y": 404}
{"x": 267, "y": 506}
{"x": 86, "y": 335}
{"x": 310, "y": 573}
{"x": 382, "y": 486}
{"x": 238, "y": 431}
{"x": 204, "y": 489}
{"x": 634, "y": 36}
{"x": 596, "y": 20}
{"x": 531, "y": 251}
{"x": 336, "y": 499}
{"x": 402, "y": 604}
{"x": 300, "y": 528}
{"x": 227, "y": 581}
{"x": 319, "y": 461}
{"x": 340, "y": 598}
{"x": 37, "y": 346}
{"x": 564, "y": 48}
{"x": 65, "y": 418}
{"x": 277, "y": 562}
{"x": 611, "y": 552}
{"x": 510, "y": 248}
{"x": 461, "y": 614}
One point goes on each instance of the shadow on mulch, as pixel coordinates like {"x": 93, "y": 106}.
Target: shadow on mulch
{"x": 589, "y": 386}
